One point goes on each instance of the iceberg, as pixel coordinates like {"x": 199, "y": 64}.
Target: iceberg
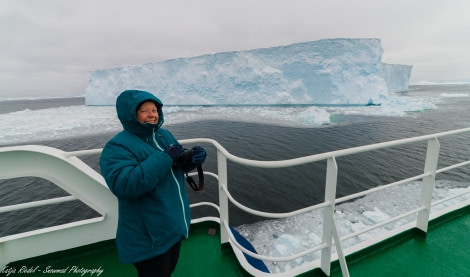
{"x": 329, "y": 71}
{"x": 396, "y": 76}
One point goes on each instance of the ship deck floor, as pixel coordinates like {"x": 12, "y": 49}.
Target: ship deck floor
{"x": 443, "y": 251}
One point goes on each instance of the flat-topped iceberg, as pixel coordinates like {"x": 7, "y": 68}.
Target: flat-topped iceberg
{"x": 330, "y": 71}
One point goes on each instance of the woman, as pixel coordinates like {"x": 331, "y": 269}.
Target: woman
{"x": 144, "y": 167}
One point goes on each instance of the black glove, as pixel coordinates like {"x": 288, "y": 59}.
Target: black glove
{"x": 175, "y": 151}
{"x": 198, "y": 155}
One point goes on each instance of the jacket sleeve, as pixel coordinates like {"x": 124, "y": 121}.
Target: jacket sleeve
{"x": 128, "y": 177}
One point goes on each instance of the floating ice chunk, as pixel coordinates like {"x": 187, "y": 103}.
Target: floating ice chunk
{"x": 289, "y": 242}
{"x": 376, "y": 215}
{"x": 454, "y": 95}
{"x": 287, "y": 245}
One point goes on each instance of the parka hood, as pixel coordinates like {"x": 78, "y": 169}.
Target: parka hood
{"x": 126, "y": 106}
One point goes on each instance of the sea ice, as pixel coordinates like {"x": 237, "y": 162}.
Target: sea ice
{"x": 376, "y": 215}
{"x": 304, "y": 231}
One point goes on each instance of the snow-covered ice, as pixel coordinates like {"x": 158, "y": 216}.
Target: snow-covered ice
{"x": 286, "y": 237}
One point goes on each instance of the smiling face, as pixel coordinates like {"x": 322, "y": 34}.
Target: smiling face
{"x": 147, "y": 112}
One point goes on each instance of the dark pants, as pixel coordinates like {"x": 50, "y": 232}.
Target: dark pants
{"x": 162, "y": 265}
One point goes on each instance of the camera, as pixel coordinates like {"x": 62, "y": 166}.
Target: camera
{"x": 186, "y": 158}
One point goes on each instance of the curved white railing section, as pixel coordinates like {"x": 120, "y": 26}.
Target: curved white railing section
{"x": 330, "y": 232}
{"x": 72, "y": 175}
{"x": 85, "y": 184}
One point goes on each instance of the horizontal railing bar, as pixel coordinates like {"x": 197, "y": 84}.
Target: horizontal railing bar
{"x": 452, "y": 167}
{"x": 83, "y": 152}
{"x": 273, "y": 215}
{"x": 205, "y": 219}
{"x": 205, "y": 204}
{"x": 54, "y": 228}
{"x": 323, "y": 156}
{"x": 449, "y": 198}
{"x": 376, "y": 189}
{"x": 370, "y": 228}
{"x": 39, "y": 203}
{"x": 205, "y": 173}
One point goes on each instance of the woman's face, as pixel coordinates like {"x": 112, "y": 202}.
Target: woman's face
{"x": 147, "y": 113}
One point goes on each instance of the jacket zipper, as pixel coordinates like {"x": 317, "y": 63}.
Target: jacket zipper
{"x": 177, "y": 183}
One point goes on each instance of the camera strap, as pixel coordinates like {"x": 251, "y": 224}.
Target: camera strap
{"x": 191, "y": 181}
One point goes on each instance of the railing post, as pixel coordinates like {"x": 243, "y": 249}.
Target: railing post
{"x": 432, "y": 156}
{"x": 3, "y": 260}
{"x": 328, "y": 224}
{"x": 339, "y": 249}
{"x": 223, "y": 199}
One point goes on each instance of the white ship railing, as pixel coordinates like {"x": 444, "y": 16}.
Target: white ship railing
{"x": 83, "y": 183}
{"x": 76, "y": 178}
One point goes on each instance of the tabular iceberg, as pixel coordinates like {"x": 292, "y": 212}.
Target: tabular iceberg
{"x": 330, "y": 71}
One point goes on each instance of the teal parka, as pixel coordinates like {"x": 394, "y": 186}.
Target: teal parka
{"x": 153, "y": 205}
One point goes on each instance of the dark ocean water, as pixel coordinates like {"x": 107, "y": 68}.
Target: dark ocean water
{"x": 37, "y": 104}
{"x": 273, "y": 190}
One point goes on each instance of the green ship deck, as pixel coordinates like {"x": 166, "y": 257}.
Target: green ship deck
{"x": 201, "y": 255}
{"x": 442, "y": 252}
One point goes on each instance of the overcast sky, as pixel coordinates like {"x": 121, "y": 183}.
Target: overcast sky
{"x": 49, "y": 47}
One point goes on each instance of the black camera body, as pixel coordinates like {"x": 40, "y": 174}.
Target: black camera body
{"x": 186, "y": 158}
